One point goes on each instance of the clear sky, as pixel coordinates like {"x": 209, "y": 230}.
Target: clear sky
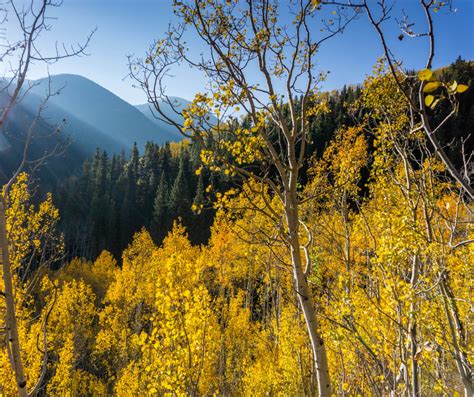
{"x": 127, "y": 27}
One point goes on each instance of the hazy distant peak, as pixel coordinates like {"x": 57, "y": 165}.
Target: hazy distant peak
{"x": 99, "y": 114}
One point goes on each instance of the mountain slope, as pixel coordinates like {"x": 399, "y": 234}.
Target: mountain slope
{"x": 95, "y": 116}
{"x": 87, "y": 114}
{"x": 178, "y": 103}
{"x": 152, "y": 114}
{"x": 13, "y": 137}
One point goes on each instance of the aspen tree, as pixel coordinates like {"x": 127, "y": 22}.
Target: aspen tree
{"x": 258, "y": 64}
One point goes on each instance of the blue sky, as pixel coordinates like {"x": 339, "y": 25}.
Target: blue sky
{"x": 127, "y": 27}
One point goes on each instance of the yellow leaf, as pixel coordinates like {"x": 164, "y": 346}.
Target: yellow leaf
{"x": 429, "y": 100}
{"x": 461, "y": 88}
{"x": 425, "y": 74}
{"x": 431, "y": 86}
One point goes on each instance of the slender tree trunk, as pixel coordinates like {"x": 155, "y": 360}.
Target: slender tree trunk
{"x": 415, "y": 384}
{"x": 462, "y": 362}
{"x": 468, "y": 389}
{"x": 306, "y": 302}
{"x": 13, "y": 343}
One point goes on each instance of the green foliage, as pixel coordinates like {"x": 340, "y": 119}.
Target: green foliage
{"x": 114, "y": 198}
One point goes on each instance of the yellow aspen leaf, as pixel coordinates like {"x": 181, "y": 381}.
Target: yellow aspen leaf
{"x": 431, "y": 86}
{"x": 429, "y": 100}
{"x": 462, "y": 88}
{"x": 425, "y": 74}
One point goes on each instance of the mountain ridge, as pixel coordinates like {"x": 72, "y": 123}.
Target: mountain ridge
{"x": 100, "y": 108}
{"x": 88, "y": 115}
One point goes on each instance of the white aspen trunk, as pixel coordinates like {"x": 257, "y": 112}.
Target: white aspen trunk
{"x": 306, "y": 302}
{"x": 462, "y": 363}
{"x": 415, "y": 384}
{"x": 468, "y": 389}
{"x": 10, "y": 320}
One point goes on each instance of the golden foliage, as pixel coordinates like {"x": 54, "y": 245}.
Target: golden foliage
{"x": 391, "y": 276}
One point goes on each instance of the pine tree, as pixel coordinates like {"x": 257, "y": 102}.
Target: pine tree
{"x": 199, "y": 197}
{"x": 160, "y": 221}
{"x": 100, "y": 200}
{"x": 133, "y": 163}
{"x": 180, "y": 203}
{"x": 129, "y": 216}
{"x": 201, "y": 219}
{"x": 164, "y": 161}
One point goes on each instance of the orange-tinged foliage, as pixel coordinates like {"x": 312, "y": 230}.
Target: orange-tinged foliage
{"x": 390, "y": 275}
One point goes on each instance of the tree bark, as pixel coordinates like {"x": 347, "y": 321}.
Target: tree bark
{"x": 415, "y": 384}
{"x": 306, "y": 302}
{"x": 13, "y": 342}
{"x": 462, "y": 362}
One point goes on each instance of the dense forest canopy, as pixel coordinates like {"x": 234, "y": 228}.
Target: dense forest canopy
{"x": 115, "y": 196}
{"x": 220, "y": 317}
{"x": 315, "y": 244}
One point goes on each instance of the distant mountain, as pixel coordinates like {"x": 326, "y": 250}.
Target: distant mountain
{"x": 94, "y": 116}
{"x": 4, "y": 144}
{"x": 173, "y": 112}
{"x": 12, "y": 140}
{"x": 86, "y": 113}
{"x": 149, "y": 111}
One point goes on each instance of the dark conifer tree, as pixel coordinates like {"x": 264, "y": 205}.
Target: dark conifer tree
{"x": 161, "y": 214}
{"x": 199, "y": 197}
{"x": 180, "y": 203}
{"x": 201, "y": 219}
{"x": 100, "y": 201}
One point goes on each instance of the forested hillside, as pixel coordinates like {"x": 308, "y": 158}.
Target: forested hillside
{"x": 220, "y": 317}
{"x": 115, "y": 196}
{"x": 74, "y": 115}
